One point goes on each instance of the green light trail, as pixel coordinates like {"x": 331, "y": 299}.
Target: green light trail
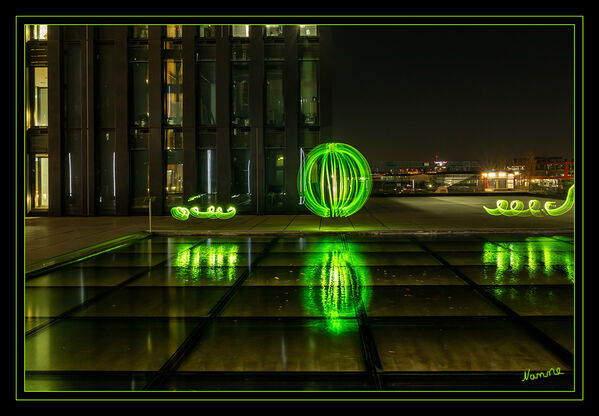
{"x": 336, "y": 180}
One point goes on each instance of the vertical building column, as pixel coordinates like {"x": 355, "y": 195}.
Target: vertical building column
{"x": 326, "y": 83}
{"x": 190, "y": 168}
{"x": 257, "y": 115}
{"x": 88, "y": 124}
{"x": 121, "y": 121}
{"x": 223, "y": 114}
{"x": 54, "y": 122}
{"x": 155, "y": 120}
{"x": 291, "y": 97}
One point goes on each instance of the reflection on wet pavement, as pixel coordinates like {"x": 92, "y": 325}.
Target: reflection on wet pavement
{"x": 301, "y": 313}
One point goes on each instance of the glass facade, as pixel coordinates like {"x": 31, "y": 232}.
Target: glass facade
{"x": 207, "y": 93}
{"x": 139, "y": 85}
{"x": 240, "y": 94}
{"x": 139, "y": 184}
{"x": 240, "y": 31}
{"x": 174, "y": 167}
{"x": 136, "y": 90}
{"x": 40, "y": 190}
{"x": 40, "y": 97}
{"x": 274, "y": 104}
{"x": 309, "y": 98}
{"x": 173, "y": 92}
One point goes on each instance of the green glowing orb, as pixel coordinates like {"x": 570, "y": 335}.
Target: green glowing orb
{"x": 335, "y": 181}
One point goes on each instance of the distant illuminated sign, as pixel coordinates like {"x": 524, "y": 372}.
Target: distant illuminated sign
{"x": 516, "y": 208}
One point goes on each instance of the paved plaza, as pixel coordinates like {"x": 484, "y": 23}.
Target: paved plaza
{"x": 49, "y": 237}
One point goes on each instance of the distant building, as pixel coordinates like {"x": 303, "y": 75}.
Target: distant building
{"x": 398, "y": 177}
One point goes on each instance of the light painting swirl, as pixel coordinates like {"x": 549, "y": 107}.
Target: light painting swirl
{"x": 516, "y": 208}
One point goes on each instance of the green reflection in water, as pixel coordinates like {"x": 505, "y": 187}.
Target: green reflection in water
{"x": 335, "y": 288}
{"x": 533, "y": 257}
{"x": 212, "y": 261}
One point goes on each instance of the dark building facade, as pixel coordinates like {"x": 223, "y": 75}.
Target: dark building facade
{"x": 118, "y": 115}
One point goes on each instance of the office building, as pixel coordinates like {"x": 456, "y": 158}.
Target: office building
{"x": 117, "y": 116}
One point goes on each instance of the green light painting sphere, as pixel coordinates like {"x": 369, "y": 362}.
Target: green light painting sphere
{"x": 335, "y": 181}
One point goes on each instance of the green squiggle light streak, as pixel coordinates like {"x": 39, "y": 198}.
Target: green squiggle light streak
{"x": 182, "y": 213}
{"x": 516, "y": 208}
{"x": 343, "y": 180}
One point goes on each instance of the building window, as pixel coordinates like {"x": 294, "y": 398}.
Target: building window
{"x": 105, "y": 170}
{"x": 207, "y": 175}
{"x": 308, "y": 74}
{"x": 207, "y": 168}
{"x": 139, "y": 32}
{"x": 274, "y": 102}
{"x": 36, "y": 32}
{"x": 308, "y": 138}
{"x": 174, "y": 31}
{"x": 173, "y": 92}
{"x": 240, "y": 91}
{"x": 207, "y": 93}
{"x": 174, "y": 167}
{"x": 206, "y": 31}
{"x": 240, "y": 31}
{"x": 40, "y": 97}
{"x": 274, "y": 179}
{"x": 140, "y": 168}
{"x": 308, "y": 30}
{"x": 273, "y": 31}
{"x": 40, "y": 185}
{"x": 240, "y": 177}
{"x": 139, "y": 76}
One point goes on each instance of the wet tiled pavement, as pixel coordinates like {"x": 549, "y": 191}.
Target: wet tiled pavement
{"x": 334, "y": 312}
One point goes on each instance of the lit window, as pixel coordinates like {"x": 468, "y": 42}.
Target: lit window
{"x": 40, "y": 97}
{"x": 240, "y": 31}
{"x": 308, "y": 30}
{"x": 274, "y": 30}
{"x": 207, "y": 31}
{"x": 174, "y": 31}
{"x": 37, "y": 32}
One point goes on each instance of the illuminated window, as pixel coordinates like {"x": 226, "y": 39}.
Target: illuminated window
{"x": 273, "y": 30}
{"x": 308, "y": 74}
{"x": 40, "y": 188}
{"x": 174, "y": 167}
{"x": 308, "y": 30}
{"x": 274, "y": 178}
{"x": 40, "y": 97}
{"x": 206, "y": 31}
{"x": 173, "y": 92}
{"x": 36, "y": 32}
{"x": 174, "y": 31}
{"x": 240, "y": 31}
{"x": 139, "y": 32}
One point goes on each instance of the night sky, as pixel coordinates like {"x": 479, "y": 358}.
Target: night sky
{"x": 464, "y": 93}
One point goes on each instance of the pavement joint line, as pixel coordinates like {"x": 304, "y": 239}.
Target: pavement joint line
{"x": 186, "y": 346}
{"x": 369, "y": 349}
{"x": 102, "y": 294}
{"x": 546, "y": 341}
{"x": 65, "y": 259}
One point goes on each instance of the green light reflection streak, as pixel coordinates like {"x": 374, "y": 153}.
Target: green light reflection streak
{"x": 334, "y": 287}
{"x": 213, "y": 261}
{"x": 531, "y": 256}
